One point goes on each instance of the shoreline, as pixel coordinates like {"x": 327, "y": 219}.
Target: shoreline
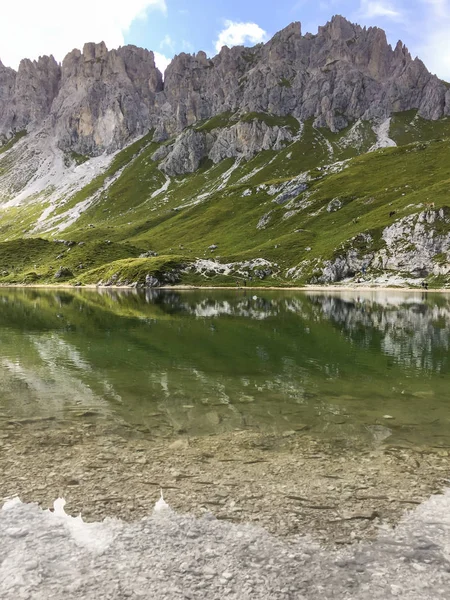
{"x": 306, "y": 288}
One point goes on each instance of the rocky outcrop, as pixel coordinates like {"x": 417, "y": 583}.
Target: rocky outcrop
{"x": 186, "y": 154}
{"x": 98, "y": 99}
{"x": 95, "y": 101}
{"x": 245, "y": 139}
{"x": 416, "y": 246}
{"x": 26, "y": 96}
{"x": 239, "y": 140}
{"x": 348, "y": 262}
{"x": 343, "y": 73}
{"x": 105, "y": 98}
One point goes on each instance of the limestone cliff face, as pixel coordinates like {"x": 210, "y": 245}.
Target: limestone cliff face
{"x": 105, "y": 97}
{"x": 341, "y": 74}
{"x": 26, "y": 96}
{"x": 239, "y": 140}
{"x": 7, "y": 83}
{"x": 97, "y": 100}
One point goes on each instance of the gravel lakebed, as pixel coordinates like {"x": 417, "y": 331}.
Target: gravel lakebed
{"x": 294, "y": 501}
{"x": 288, "y": 484}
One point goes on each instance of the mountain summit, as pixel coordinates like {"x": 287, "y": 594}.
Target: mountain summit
{"x": 97, "y": 100}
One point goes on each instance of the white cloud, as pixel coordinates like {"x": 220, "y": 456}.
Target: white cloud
{"x": 187, "y": 46}
{"x": 425, "y": 23}
{"x": 161, "y": 61}
{"x": 439, "y": 7}
{"x": 237, "y": 34}
{"x": 436, "y": 53}
{"x": 435, "y": 47}
{"x": 168, "y": 43}
{"x": 378, "y": 8}
{"x": 29, "y": 29}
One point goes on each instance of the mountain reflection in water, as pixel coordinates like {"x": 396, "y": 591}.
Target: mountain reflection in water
{"x": 374, "y": 365}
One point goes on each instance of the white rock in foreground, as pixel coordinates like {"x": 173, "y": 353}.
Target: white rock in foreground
{"x": 51, "y": 555}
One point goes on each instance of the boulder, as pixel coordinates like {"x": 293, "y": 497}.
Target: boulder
{"x": 63, "y": 273}
{"x": 152, "y": 282}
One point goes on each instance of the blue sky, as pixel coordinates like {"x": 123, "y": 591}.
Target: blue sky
{"x": 172, "y": 26}
{"x": 424, "y": 25}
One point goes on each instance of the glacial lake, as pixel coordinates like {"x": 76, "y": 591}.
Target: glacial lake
{"x": 346, "y": 365}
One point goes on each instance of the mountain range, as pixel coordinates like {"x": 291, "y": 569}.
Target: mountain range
{"x": 308, "y": 159}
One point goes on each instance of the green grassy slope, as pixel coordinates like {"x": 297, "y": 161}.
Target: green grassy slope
{"x": 223, "y": 204}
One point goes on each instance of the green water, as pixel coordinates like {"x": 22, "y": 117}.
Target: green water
{"x": 205, "y": 362}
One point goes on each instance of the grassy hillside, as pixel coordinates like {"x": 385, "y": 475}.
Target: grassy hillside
{"x": 248, "y": 209}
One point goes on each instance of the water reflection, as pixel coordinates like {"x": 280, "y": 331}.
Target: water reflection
{"x": 413, "y": 330}
{"x": 345, "y": 364}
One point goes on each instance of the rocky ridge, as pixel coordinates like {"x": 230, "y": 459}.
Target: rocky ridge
{"x": 94, "y": 101}
{"x": 97, "y": 100}
{"x": 240, "y": 140}
{"x": 343, "y": 73}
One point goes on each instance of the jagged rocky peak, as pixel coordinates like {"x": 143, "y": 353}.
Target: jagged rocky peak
{"x": 197, "y": 88}
{"x": 97, "y": 62}
{"x": 99, "y": 99}
{"x": 96, "y": 100}
{"x": 106, "y": 97}
{"x": 27, "y": 95}
{"x": 93, "y": 52}
{"x": 343, "y": 73}
{"x": 37, "y": 85}
{"x": 294, "y": 29}
{"x": 340, "y": 29}
{"x": 7, "y": 83}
